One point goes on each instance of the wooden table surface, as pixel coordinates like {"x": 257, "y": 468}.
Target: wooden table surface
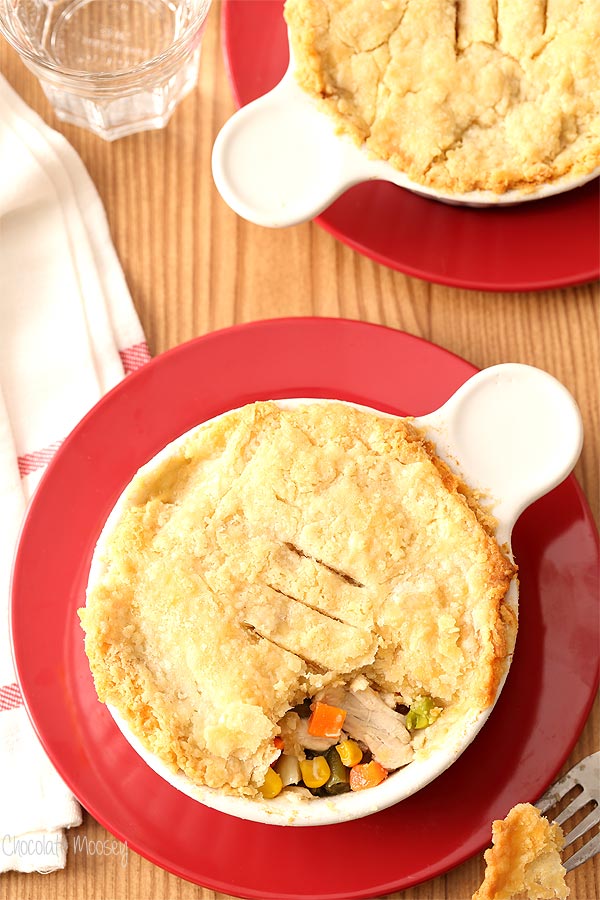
{"x": 193, "y": 266}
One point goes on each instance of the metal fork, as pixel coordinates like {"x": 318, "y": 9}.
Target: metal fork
{"x": 586, "y": 775}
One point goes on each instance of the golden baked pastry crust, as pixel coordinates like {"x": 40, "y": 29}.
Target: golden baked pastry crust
{"x": 525, "y": 858}
{"x": 275, "y": 551}
{"x": 460, "y": 95}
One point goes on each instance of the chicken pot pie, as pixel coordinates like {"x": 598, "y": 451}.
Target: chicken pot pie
{"x": 286, "y": 583}
{"x": 461, "y": 95}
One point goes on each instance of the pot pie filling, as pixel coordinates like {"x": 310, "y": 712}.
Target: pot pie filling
{"x": 298, "y": 596}
{"x": 461, "y": 95}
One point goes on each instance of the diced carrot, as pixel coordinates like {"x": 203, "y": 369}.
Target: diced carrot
{"x": 278, "y": 741}
{"x": 326, "y": 721}
{"x": 366, "y": 775}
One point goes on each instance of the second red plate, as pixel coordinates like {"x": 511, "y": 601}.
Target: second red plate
{"x": 527, "y": 738}
{"x": 543, "y": 244}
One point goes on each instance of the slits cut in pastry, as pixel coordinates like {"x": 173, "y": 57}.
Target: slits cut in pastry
{"x": 279, "y": 553}
{"x": 461, "y": 95}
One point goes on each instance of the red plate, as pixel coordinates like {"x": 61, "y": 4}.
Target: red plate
{"x": 530, "y": 733}
{"x": 545, "y": 244}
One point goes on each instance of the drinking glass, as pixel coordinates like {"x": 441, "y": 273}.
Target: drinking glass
{"x": 112, "y": 66}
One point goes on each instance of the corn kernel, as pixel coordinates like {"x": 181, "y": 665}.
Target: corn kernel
{"x": 349, "y": 753}
{"x": 315, "y": 772}
{"x": 272, "y": 784}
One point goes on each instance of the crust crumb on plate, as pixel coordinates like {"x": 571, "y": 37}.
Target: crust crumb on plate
{"x": 524, "y": 861}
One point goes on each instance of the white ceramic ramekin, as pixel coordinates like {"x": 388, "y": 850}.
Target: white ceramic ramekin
{"x": 278, "y": 161}
{"x": 512, "y": 432}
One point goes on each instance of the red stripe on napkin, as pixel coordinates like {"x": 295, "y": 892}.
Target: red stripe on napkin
{"x": 30, "y": 462}
{"x": 135, "y": 357}
{"x": 10, "y": 697}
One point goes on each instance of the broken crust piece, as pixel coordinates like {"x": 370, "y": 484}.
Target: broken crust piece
{"x": 476, "y": 95}
{"x": 525, "y": 858}
{"x": 276, "y": 551}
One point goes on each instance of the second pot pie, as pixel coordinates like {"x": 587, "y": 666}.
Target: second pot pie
{"x": 276, "y": 555}
{"x": 461, "y": 95}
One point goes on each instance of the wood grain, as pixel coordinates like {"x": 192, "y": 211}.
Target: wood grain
{"x": 193, "y": 266}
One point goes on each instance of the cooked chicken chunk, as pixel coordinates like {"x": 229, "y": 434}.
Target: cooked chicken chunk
{"x": 370, "y": 720}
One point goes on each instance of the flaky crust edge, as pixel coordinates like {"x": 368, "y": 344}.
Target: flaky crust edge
{"x": 311, "y": 74}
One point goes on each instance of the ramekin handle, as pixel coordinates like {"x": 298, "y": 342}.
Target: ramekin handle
{"x": 278, "y": 161}
{"x": 513, "y": 432}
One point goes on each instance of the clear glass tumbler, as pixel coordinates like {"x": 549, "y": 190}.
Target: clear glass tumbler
{"x": 113, "y": 66}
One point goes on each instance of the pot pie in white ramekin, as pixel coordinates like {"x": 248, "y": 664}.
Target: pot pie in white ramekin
{"x": 461, "y": 96}
{"x": 279, "y": 558}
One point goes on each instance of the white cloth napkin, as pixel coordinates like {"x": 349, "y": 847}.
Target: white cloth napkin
{"x": 68, "y": 333}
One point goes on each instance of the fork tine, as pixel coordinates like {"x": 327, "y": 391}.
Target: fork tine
{"x": 558, "y": 790}
{"x": 584, "y": 773}
{"x": 590, "y": 820}
{"x": 575, "y": 804}
{"x": 587, "y": 851}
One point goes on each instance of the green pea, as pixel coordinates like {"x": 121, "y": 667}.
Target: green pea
{"x": 423, "y": 712}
